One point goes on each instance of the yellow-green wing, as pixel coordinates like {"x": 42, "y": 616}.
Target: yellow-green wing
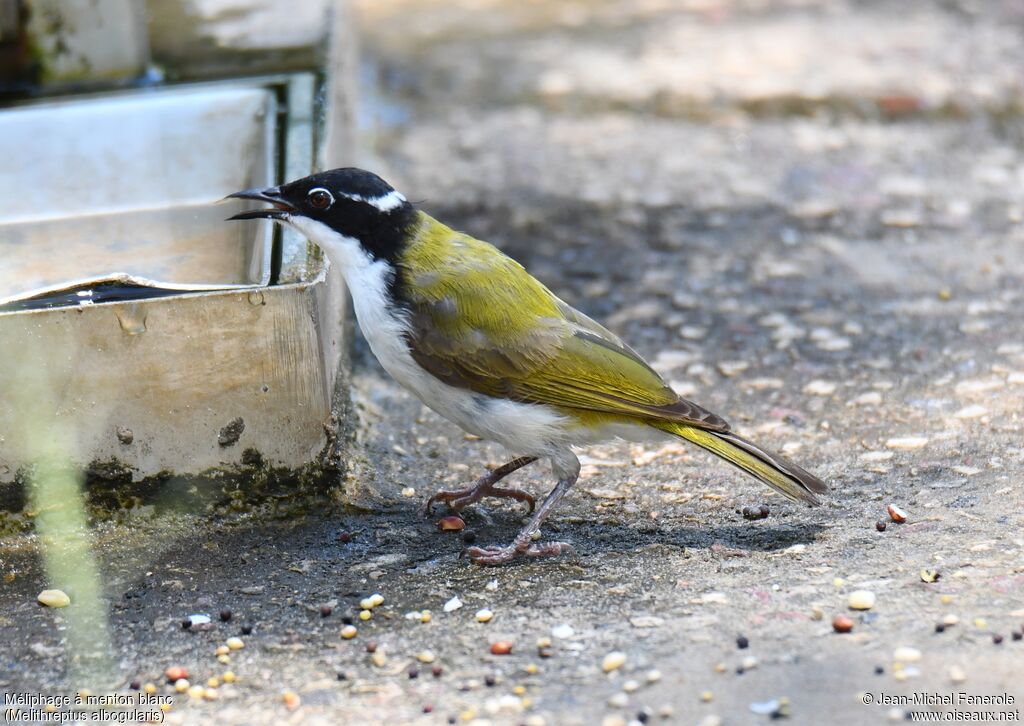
{"x": 479, "y": 321}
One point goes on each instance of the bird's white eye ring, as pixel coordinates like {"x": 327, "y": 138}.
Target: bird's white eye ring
{"x": 320, "y": 198}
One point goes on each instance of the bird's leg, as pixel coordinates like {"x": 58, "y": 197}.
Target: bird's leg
{"x": 523, "y": 543}
{"x": 457, "y": 499}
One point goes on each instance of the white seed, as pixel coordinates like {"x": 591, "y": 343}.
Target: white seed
{"x": 348, "y": 632}
{"x": 379, "y": 658}
{"x": 653, "y": 676}
{"x": 377, "y": 599}
{"x": 484, "y": 615}
{"x": 235, "y": 643}
{"x": 749, "y": 662}
{"x": 366, "y": 603}
{"x": 408, "y": 492}
{"x": 425, "y": 656}
{"x": 614, "y": 660}
{"x": 820, "y": 388}
{"x": 563, "y": 631}
{"x": 957, "y": 674}
{"x": 54, "y": 598}
{"x": 861, "y": 600}
{"x": 618, "y": 700}
{"x": 906, "y": 654}
{"x": 631, "y": 686}
{"x": 950, "y": 619}
{"x": 907, "y": 442}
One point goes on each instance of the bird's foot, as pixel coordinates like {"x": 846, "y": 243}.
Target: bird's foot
{"x": 458, "y": 499}
{"x": 501, "y": 555}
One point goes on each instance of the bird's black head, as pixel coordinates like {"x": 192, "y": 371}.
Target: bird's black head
{"x": 351, "y": 202}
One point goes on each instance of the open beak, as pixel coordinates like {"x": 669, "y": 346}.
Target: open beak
{"x": 279, "y": 211}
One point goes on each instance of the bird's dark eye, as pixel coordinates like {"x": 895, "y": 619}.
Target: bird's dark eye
{"x": 320, "y": 198}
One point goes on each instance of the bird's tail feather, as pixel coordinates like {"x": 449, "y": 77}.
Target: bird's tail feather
{"x": 781, "y": 475}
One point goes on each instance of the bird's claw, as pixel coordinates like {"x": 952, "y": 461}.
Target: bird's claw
{"x": 459, "y": 499}
{"x": 500, "y": 555}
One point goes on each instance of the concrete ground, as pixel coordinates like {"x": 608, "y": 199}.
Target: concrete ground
{"x": 809, "y": 216}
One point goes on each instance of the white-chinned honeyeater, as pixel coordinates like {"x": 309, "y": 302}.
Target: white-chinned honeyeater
{"x": 479, "y": 340}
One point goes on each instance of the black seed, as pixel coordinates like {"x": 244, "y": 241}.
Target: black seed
{"x": 135, "y": 685}
{"x": 997, "y": 638}
{"x": 742, "y": 642}
{"x": 490, "y": 680}
{"x": 469, "y": 536}
{"x": 325, "y": 611}
{"x": 880, "y": 525}
{"x": 225, "y": 615}
{"x": 879, "y": 670}
{"x": 342, "y": 676}
{"x": 346, "y": 619}
{"x": 246, "y": 629}
{"x": 452, "y": 719}
{"x": 642, "y": 716}
{"x": 940, "y": 627}
{"x": 186, "y": 623}
{"x": 1016, "y": 635}
{"x": 414, "y": 672}
{"x": 344, "y": 537}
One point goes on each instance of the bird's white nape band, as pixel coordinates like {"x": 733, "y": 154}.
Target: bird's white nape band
{"x": 384, "y": 203}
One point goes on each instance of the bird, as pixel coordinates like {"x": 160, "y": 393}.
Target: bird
{"x": 467, "y": 330}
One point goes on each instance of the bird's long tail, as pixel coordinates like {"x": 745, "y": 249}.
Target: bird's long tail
{"x": 781, "y": 475}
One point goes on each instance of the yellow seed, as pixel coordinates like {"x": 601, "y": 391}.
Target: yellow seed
{"x": 224, "y": 659}
{"x": 519, "y": 690}
{"x": 484, "y": 615}
{"x": 235, "y": 643}
{"x": 181, "y": 685}
{"x": 707, "y": 696}
{"x": 365, "y": 615}
{"x": 525, "y": 702}
{"x": 613, "y": 661}
{"x": 54, "y": 598}
{"x": 349, "y": 632}
{"x": 50, "y": 707}
{"x": 946, "y": 599}
{"x": 291, "y": 700}
{"x": 544, "y": 642}
{"x": 838, "y": 582}
{"x": 196, "y": 691}
{"x": 377, "y": 599}
{"x": 210, "y": 694}
{"x": 532, "y": 668}
{"x": 165, "y": 707}
{"x": 425, "y": 616}
{"x": 212, "y": 682}
{"x": 425, "y": 656}
{"x": 229, "y": 676}
{"x": 366, "y": 603}
{"x": 149, "y": 688}
{"x": 720, "y": 668}
{"x": 221, "y": 650}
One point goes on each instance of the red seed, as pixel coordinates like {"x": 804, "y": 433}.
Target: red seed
{"x": 451, "y": 524}
{"x": 880, "y": 525}
{"x": 842, "y": 624}
{"x": 896, "y": 514}
{"x": 502, "y": 647}
{"x": 176, "y": 673}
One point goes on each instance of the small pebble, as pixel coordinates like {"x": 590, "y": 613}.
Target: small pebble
{"x": 235, "y": 643}
{"x": 484, "y": 615}
{"x": 742, "y": 642}
{"x": 861, "y": 600}
{"x": 348, "y": 632}
{"x": 451, "y": 524}
{"x": 175, "y": 673}
{"x": 563, "y": 631}
{"x": 53, "y": 598}
{"x": 842, "y": 624}
{"x": 379, "y": 658}
{"x": 454, "y": 604}
{"x": 501, "y": 647}
{"x": 225, "y": 615}
{"x": 896, "y": 514}
{"x": 344, "y": 537}
{"x": 613, "y": 661}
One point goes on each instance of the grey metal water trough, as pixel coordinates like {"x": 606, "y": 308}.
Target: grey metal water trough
{"x": 172, "y": 342}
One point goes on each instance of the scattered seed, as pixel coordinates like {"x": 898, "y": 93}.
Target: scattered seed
{"x": 501, "y": 647}
{"x": 414, "y": 672}
{"x": 880, "y": 525}
{"x": 235, "y": 643}
{"x": 224, "y": 659}
{"x": 366, "y": 604}
{"x": 906, "y": 654}
{"x": 437, "y": 671}
{"x": 742, "y": 642}
{"x": 707, "y": 696}
{"x": 365, "y": 615}
{"x": 349, "y": 632}
{"x": 618, "y": 700}
{"x": 53, "y": 598}
{"x": 291, "y": 700}
{"x": 149, "y": 688}
{"x": 379, "y": 658}
{"x": 613, "y": 661}
{"x": 861, "y": 600}
{"x": 428, "y": 708}
{"x": 563, "y": 631}
{"x": 425, "y": 616}
{"x": 454, "y": 604}
{"x": 949, "y": 619}
{"x": 210, "y": 694}
{"x": 940, "y": 627}
{"x": 842, "y": 624}
{"x": 425, "y": 656}
{"x": 246, "y": 629}
{"x": 484, "y": 615}
{"x": 997, "y": 638}
{"x": 451, "y": 524}
{"x": 175, "y": 673}
{"x": 325, "y": 611}
{"x": 631, "y": 686}
{"x": 896, "y": 514}
{"x": 408, "y": 492}
{"x": 469, "y": 536}
{"x": 344, "y": 537}
{"x": 490, "y": 680}
{"x": 228, "y": 677}
{"x": 748, "y": 663}
{"x": 1017, "y": 635}
{"x": 181, "y": 685}
{"x": 754, "y": 513}
{"x": 930, "y": 576}
{"x": 879, "y": 670}
{"x": 225, "y": 615}
{"x": 371, "y": 647}
{"x": 196, "y": 692}
{"x": 957, "y": 674}
{"x": 212, "y": 682}
{"x": 531, "y": 669}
